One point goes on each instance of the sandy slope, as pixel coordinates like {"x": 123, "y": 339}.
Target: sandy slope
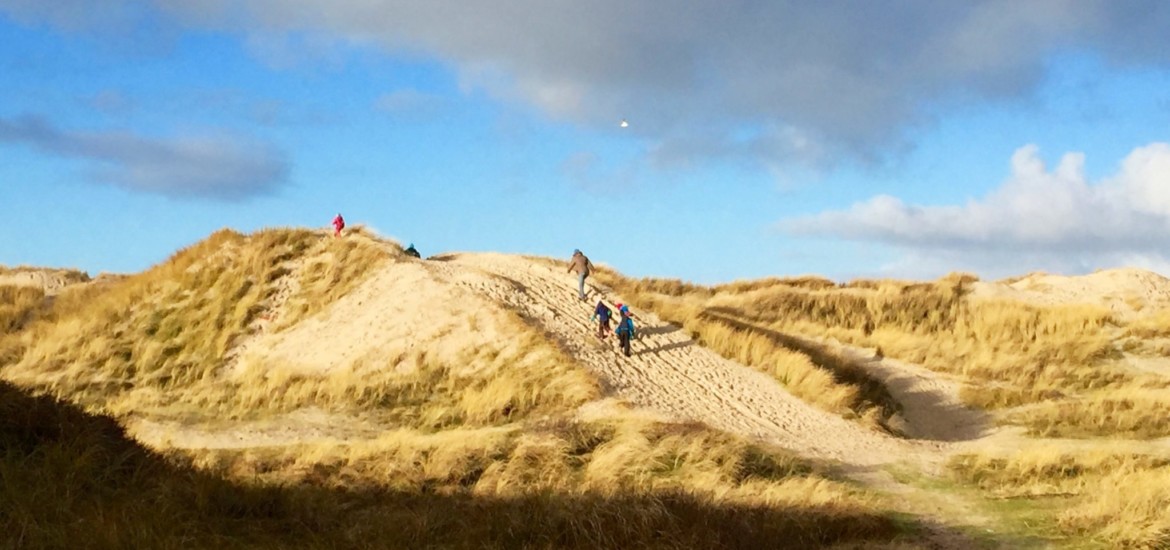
{"x": 670, "y": 374}
{"x": 1123, "y": 291}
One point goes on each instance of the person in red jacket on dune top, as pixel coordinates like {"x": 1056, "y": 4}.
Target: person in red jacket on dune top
{"x": 338, "y": 225}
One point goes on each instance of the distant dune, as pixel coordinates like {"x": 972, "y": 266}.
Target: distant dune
{"x": 49, "y": 280}
{"x": 1123, "y": 290}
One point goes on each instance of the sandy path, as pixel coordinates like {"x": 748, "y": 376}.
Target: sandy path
{"x": 309, "y": 426}
{"x": 670, "y": 374}
{"x": 931, "y": 407}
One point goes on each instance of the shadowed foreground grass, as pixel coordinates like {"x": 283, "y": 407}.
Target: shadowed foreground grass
{"x": 72, "y": 479}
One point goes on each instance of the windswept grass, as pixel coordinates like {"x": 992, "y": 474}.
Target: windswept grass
{"x": 1120, "y": 499}
{"x": 74, "y": 480}
{"x": 18, "y": 306}
{"x": 480, "y": 448}
{"x": 167, "y": 327}
{"x": 155, "y": 344}
{"x": 647, "y": 471}
{"x": 1121, "y": 413}
{"x": 811, "y": 373}
{"x": 1059, "y": 360}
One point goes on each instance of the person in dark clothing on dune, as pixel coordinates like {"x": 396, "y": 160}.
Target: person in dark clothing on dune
{"x": 625, "y": 329}
{"x": 603, "y": 313}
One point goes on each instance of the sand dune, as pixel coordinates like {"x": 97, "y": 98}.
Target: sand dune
{"x": 464, "y": 309}
{"x": 1124, "y": 291}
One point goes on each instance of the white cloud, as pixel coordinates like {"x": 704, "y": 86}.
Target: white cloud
{"x": 1038, "y": 218}
{"x": 220, "y": 167}
{"x": 846, "y": 77}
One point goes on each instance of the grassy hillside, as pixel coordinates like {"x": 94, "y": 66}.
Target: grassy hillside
{"x": 1055, "y": 370}
{"x": 1115, "y": 497}
{"x": 72, "y": 479}
{"x": 137, "y": 343}
{"x": 481, "y": 447}
{"x": 1052, "y": 369}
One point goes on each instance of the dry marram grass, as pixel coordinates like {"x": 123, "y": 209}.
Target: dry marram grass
{"x": 1062, "y": 357}
{"x": 479, "y": 442}
{"x": 1119, "y": 498}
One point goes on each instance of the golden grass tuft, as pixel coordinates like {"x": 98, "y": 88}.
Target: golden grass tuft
{"x": 1132, "y": 413}
{"x": 1126, "y": 507}
{"x": 18, "y": 304}
{"x": 1117, "y": 498}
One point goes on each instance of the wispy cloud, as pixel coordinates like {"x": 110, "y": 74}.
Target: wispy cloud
{"x": 1038, "y": 218}
{"x": 219, "y": 167}
{"x": 111, "y": 102}
{"x": 409, "y": 102}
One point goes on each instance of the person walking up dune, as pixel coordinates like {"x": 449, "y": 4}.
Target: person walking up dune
{"x": 581, "y": 264}
{"x": 625, "y": 329}
{"x": 603, "y": 313}
{"x": 338, "y": 225}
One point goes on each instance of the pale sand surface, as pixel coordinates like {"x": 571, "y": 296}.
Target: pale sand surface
{"x": 1124, "y": 291}
{"x": 49, "y": 280}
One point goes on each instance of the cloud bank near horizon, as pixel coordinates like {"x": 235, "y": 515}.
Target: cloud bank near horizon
{"x": 1036, "y": 219}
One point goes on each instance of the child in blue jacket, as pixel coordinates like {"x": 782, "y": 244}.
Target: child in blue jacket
{"x": 625, "y": 329}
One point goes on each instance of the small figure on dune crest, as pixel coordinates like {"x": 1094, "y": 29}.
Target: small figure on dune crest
{"x": 338, "y": 225}
{"x": 625, "y": 329}
{"x": 603, "y": 313}
{"x": 410, "y": 251}
{"x": 583, "y": 267}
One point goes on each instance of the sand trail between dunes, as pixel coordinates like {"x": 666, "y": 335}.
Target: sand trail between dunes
{"x": 671, "y": 374}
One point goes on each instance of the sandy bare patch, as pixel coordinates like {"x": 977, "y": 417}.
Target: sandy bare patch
{"x": 49, "y": 280}
{"x": 1124, "y": 291}
{"x": 301, "y": 427}
{"x": 407, "y": 307}
{"x": 672, "y": 375}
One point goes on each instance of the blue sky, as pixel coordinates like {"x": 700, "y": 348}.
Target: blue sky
{"x": 765, "y": 138}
